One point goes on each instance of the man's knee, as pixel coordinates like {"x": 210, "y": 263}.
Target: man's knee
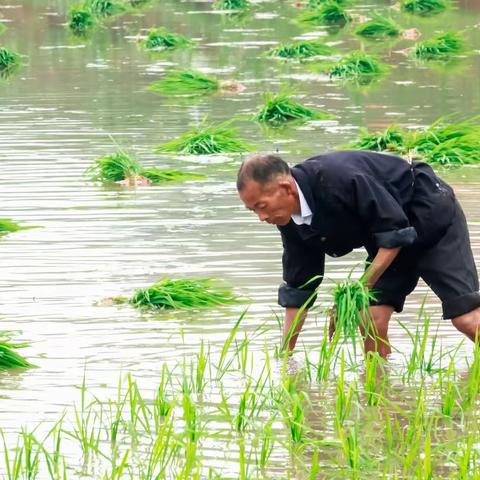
{"x": 468, "y": 323}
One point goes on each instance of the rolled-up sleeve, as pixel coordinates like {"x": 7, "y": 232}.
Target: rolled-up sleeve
{"x": 381, "y": 213}
{"x": 303, "y": 269}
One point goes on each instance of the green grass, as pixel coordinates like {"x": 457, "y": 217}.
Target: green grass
{"x": 356, "y": 65}
{"x": 231, "y": 4}
{"x": 300, "y": 50}
{"x": 156, "y": 175}
{"x": 105, "y": 8}
{"x": 378, "y": 27}
{"x": 9, "y": 358}
{"x": 114, "y": 168}
{"x": 8, "y": 59}
{"x": 424, "y": 7}
{"x": 207, "y": 139}
{"x": 393, "y": 138}
{"x": 81, "y": 20}
{"x": 281, "y": 108}
{"x": 328, "y": 13}
{"x": 440, "y": 47}
{"x": 8, "y": 226}
{"x": 187, "y": 293}
{"x": 185, "y": 82}
{"x": 159, "y": 38}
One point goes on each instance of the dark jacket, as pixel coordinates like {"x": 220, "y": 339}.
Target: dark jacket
{"x": 360, "y": 199}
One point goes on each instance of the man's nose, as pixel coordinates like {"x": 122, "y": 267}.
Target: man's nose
{"x": 262, "y": 216}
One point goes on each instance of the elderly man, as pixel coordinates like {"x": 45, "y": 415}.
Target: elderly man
{"x": 406, "y": 218}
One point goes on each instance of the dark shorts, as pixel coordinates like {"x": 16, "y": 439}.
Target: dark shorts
{"x": 448, "y": 268}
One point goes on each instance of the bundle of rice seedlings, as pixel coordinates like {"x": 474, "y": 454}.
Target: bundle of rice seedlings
{"x": 231, "y": 4}
{"x": 105, "y": 8}
{"x": 8, "y": 59}
{"x": 185, "y": 82}
{"x": 81, "y": 20}
{"x": 9, "y": 358}
{"x": 301, "y": 49}
{"x": 378, "y": 27}
{"x": 355, "y": 65}
{"x": 423, "y": 7}
{"x": 156, "y": 175}
{"x": 281, "y": 108}
{"x": 114, "y": 168}
{"x": 328, "y": 13}
{"x": 351, "y": 297}
{"x": 393, "y": 139}
{"x": 207, "y": 139}
{"x": 159, "y": 38}
{"x": 449, "y": 143}
{"x": 187, "y": 293}
{"x": 7, "y": 225}
{"x": 441, "y": 47}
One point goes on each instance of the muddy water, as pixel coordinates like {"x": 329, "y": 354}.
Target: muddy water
{"x": 74, "y": 100}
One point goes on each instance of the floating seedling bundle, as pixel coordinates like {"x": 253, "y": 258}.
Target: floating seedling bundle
{"x": 281, "y": 108}
{"x": 81, "y": 20}
{"x": 231, "y": 4}
{"x": 8, "y": 226}
{"x": 424, "y": 7}
{"x": 8, "y": 60}
{"x": 328, "y": 13}
{"x": 378, "y": 27}
{"x": 159, "y": 39}
{"x": 440, "y": 47}
{"x": 207, "y": 139}
{"x": 124, "y": 169}
{"x": 352, "y": 300}
{"x": 185, "y": 293}
{"x": 185, "y": 82}
{"x": 9, "y": 358}
{"x": 393, "y": 139}
{"x": 300, "y": 50}
{"x": 105, "y": 8}
{"x": 356, "y": 65}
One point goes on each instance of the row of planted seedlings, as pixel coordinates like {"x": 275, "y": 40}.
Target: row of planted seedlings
{"x": 234, "y": 410}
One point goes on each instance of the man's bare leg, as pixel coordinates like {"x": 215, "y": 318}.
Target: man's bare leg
{"x": 376, "y": 334}
{"x": 469, "y": 324}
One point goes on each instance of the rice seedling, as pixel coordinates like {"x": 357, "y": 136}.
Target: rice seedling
{"x": 423, "y": 7}
{"x": 448, "y": 389}
{"x": 7, "y": 225}
{"x": 8, "y": 60}
{"x": 328, "y": 13}
{"x": 440, "y": 47}
{"x": 185, "y": 82}
{"x": 2, "y": 28}
{"x": 159, "y": 38}
{"x": 316, "y": 3}
{"x": 392, "y": 139}
{"x": 281, "y": 108}
{"x": 267, "y": 443}
{"x": 231, "y": 4}
{"x": 81, "y": 20}
{"x": 357, "y": 65}
{"x": 186, "y": 293}
{"x": 156, "y": 175}
{"x": 472, "y": 388}
{"x": 300, "y": 50}
{"x": 374, "y": 378}
{"x": 105, "y": 8}
{"x": 351, "y": 298}
{"x": 114, "y": 168}
{"x": 207, "y": 139}
{"x": 378, "y": 27}
{"x": 344, "y": 400}
{"x": 9, "y": 358}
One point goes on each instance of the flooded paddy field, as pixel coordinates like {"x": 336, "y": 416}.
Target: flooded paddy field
{"x": 127, "y": 393}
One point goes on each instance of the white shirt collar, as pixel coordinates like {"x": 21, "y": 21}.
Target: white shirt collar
{"x": 305, "y": 215}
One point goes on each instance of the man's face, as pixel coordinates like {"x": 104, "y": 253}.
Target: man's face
{"x": 273, "y": 203}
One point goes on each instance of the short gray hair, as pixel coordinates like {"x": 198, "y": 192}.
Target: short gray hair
{"x": 261, "y": 168}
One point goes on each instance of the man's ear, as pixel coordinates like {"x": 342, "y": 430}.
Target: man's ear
{"x": 287, "y": 185}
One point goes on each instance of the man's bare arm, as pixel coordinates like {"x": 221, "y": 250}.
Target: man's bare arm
{"x": 383, "y": 259}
